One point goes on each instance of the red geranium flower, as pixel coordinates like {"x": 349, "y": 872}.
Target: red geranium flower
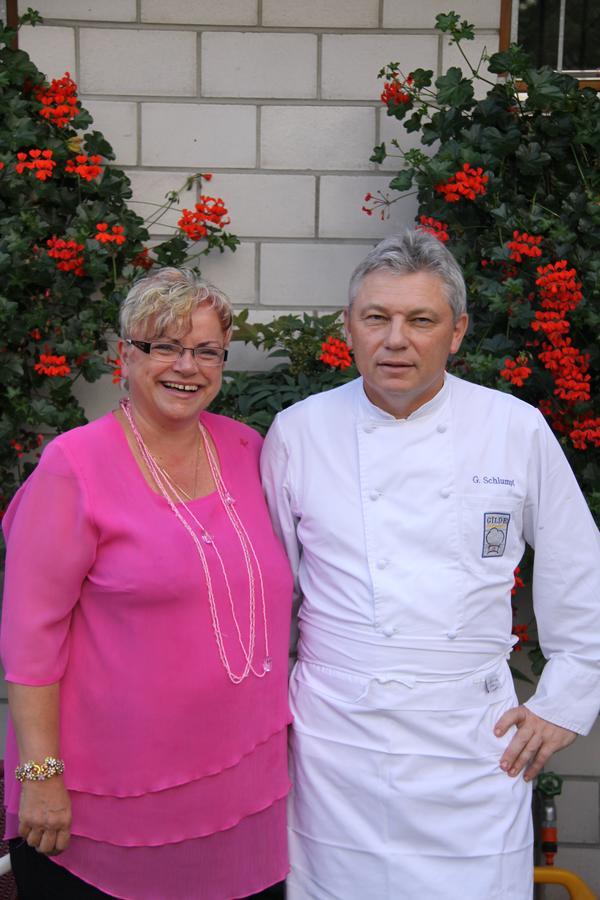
{"x": 516, "y": 372}
{"x": 52, "y": 366}
{"x": 524, "y": 244}
{"x": 142, "y": 260}
{"x": 435, "y": 227}
{"x": 115, "y": 236}
{"x": 87, "y": 167}
{"x": 67, "y": 254}
{"x": 335, "y": 353}
{"x": 393, "y": 93}
{"x": 40, "y": 162}
{"x": 467, "y": 183}
{"x": 59, "y": 100}
{"x": 208, "y": 211}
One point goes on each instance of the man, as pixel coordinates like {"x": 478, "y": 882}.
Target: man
{"x": 405, "y": 499}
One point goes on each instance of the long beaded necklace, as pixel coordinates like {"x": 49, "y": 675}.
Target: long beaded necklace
{"x": 165, "y": 484}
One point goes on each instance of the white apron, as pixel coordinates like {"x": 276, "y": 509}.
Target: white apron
{"x": 400, "y": 795}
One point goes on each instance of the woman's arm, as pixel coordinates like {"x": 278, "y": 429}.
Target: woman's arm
{"x": 45, "y": 807}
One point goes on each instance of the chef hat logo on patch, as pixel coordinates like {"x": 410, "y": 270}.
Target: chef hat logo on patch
{"x": 495, "y": 531}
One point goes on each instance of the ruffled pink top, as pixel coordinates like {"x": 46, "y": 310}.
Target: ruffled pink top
{"x": 177, "y": 775}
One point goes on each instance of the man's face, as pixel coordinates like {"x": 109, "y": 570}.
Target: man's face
{"x": 402, "y": 331}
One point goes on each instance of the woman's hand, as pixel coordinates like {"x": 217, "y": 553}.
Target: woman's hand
{"x": 45, "y": 807}
{"x": 45, "y": 815}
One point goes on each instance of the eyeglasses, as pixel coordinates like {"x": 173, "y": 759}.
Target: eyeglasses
{"x": 162, "y": 350}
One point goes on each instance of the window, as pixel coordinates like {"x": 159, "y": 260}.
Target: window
{"x": 564, "y": 34}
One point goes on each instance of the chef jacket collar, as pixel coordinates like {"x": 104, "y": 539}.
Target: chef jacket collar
{"x": 369, "y": 411}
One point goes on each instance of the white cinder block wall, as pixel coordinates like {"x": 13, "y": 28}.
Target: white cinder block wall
{"x": 280, "y": 100}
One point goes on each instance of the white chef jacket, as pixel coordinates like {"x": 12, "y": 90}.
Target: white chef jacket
{"x": 404, "y": 535}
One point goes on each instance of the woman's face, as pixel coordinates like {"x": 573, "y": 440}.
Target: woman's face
{"x": 166, "y": 394}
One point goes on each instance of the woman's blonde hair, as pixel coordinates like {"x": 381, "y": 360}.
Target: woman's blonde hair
{"x": 164, "y": 301}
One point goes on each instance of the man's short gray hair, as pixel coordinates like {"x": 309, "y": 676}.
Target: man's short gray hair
{"x": 164, "y": 302}
{"x": 414, "y": 251}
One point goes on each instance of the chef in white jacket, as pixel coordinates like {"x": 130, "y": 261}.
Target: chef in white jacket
{"x": 405, "y": 500}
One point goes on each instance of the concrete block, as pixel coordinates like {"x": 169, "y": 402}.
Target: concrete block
{"x": 578, "y": 812}
{"x": 451, "y": 56}
{"x": 198, "y": 135}
{"x": 84, "y": 10}
{"x": 232, "y": 272}
{"x": 321, "y": 13}
{"x": 317, "y": 137}
{"x": 400, "y": 14}
{"x": 118, "y": 123}
{"x": 149, "y": 191}
{"x": 269, "y": 205}
{"x": 245, "y": 64}
{"x": 351, "y": 61}
{"x": 246, "y": 358}
{"x": 51, "y": 48}
{"x": 584, "y": 862}
{"x": 308, "y": 275}
{"x": 391, "y": 128}
{"x": 582, "y": 757}
{"x": 341, "y": 199}
{"x": 136, "y": 61}
{"x": 258, "y": 205}
{"x": 201, "y": 12}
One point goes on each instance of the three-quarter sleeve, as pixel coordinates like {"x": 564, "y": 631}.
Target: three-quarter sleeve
{"x": 51, "y": 545}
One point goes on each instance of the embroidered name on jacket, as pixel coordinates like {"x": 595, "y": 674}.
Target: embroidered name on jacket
{"x": 495, "y": 531}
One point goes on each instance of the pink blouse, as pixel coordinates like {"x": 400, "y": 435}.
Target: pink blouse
{"x": 105, "y": 593}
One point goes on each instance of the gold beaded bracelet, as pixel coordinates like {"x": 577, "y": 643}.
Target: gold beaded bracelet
{"x": 32, "y": 771}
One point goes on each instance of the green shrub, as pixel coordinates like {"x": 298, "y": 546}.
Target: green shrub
{"x": 70, "y": 247}
{"x": 511, "y": 183}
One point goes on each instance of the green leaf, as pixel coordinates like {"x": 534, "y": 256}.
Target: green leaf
{"x": 537, "y": 659}
{"x": 95, "y": 143}
{"x": 24, "y": 133}
{"x": 172, "y": 252}
{"x": 532, "y": 159}
{"x": 82, "y": 120}
{"x": 19, "y": 66}
{"x": 422, "y": 78}
{"x": 31, "y": 17}
{"x": 450, "y": 22}
{"x": 447, "y": 21}
{"x": 500, "y": 142}
{"x": 515, "y": 61}
{"x": 498, "y": 344}
{"x": 453, "y": 89}
{"x": 10, "y": 364}
{"x": 543, "y": 87}
{"x": 414, "y": 122}
{"x": 403, "y": 180}
{"x": 379, "y": 154}
{"x": 416, "y": 158}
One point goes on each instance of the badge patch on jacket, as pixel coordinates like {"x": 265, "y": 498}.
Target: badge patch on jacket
{"x": 495, "y": 531}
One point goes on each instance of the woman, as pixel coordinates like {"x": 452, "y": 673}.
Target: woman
{"x": 145, "y": 631}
